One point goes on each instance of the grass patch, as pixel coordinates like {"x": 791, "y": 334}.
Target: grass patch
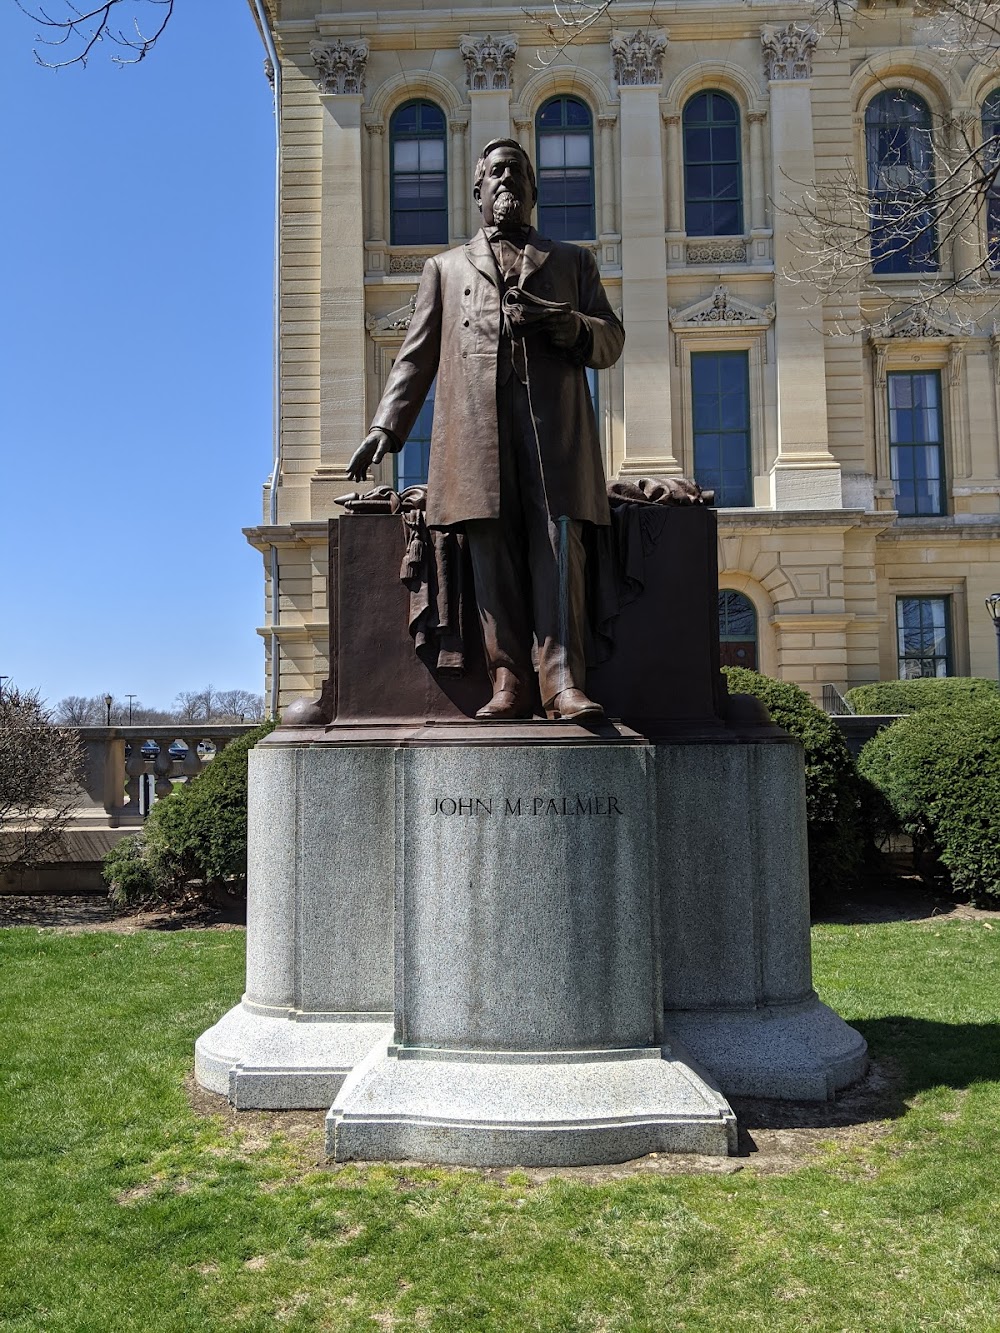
{"x": 123, "y": 1209}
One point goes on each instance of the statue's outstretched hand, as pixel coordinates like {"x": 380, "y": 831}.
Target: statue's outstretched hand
{"x": 376, "y": 444}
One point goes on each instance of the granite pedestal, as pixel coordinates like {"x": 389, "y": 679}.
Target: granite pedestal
{"x": 319, "y": 929}
{"x": 528, "y": 1015}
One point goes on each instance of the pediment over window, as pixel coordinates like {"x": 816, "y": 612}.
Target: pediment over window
{"x": 916, "y": 325}
{"x": 722, "y": 308}
{"x": 393, "y": 324}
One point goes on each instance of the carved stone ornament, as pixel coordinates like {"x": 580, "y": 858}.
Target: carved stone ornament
{"x": 721, "y": 308}
{"x": 717, "y": 252}
{"x": 341, "y": 66}
{"x": 410, "y": 263}
{"x": 269, "y": 71}
{"x": 916, "y": 324}
{"x": 488, "y": 62}
{"x": 397, "y": 321}
{"x": 638, "y": 59}
{"x": 788, "y": 52}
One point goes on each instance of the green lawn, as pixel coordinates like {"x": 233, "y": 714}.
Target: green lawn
{"x": 122, "y": 1209}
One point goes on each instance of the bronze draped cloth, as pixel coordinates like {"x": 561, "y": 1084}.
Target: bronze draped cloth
{"x": 438, "y": 576}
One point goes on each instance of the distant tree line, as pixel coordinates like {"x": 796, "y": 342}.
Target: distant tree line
{"x": 189, "y": 707}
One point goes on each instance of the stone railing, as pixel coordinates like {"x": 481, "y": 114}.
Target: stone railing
{"x": 125, "y": 766}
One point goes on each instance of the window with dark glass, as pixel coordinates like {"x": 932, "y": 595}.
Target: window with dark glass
{"x": 418, "y": 178}
{"x": 923, "y": 636}
{"x": 720, "y": 394}
{"x": 565, "y": 161}
{"x": 900, "y": 180}
{"x": 713, "y": 190}
{"x": 991, "y": 165}
{"x": 737, "y": 630}
{"x": 413, "y": 460}
{"x": 916, "y": 446}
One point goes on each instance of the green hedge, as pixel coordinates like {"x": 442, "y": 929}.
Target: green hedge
{"x": 837, "y": 827}
{"x": 194, "y": 843}
{"x": 939, "y": 771}
{"x": 910, "y": 696}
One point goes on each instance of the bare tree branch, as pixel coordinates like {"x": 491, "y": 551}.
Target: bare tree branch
{"x": 81, "y": 30}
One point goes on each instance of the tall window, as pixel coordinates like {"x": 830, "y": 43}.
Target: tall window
{"x": 923, "y": 636}
{"x": 413, "y": 460}
{"x": 916, "y": 446}
{"x": 418, "y": 187}
{"x": 900, "y": 179}
{"x": 720, "y": 393}
{"x": 713, "y": 189}
{"x": 565, "y": 133}
{"x": 991, "y": 162}
{"x": 737, "y": 630}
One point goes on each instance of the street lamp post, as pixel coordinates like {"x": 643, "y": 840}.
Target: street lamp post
{"x": 993, "y": 606}
{"x": 108, "y": 701}
{"x": 130, "y": 697}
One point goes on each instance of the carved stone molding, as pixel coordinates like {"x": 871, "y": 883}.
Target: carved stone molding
{"x": 638, "y": 59}
{"x": 489, "y": 62}
{"x": 914, "y": 325}
{"x": 409, "y": 263}
{"x": 269, "y": 71}
{"x": 722, "y": 308}
{"x": 396, "y": 322}
{"x": 717, "y": 252}
{"x": 788, "y": 51}
{"x": 341, "y": 66}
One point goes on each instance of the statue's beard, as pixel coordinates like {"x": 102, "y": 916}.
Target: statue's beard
{"x": 507, "y": 207}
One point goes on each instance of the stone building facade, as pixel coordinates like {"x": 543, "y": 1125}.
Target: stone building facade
{"x": 854, "y": 442}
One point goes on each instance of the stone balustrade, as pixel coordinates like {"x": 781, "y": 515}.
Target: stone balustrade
{"x": 118, "y": 758}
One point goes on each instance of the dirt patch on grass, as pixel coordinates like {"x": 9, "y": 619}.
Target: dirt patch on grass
{"x": 774, "y": 1137}
{"x": 70, "y": 914}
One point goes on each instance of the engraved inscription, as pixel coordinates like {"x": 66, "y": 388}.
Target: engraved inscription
{"x": 580, "y": 804}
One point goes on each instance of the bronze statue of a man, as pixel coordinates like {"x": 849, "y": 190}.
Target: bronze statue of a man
{"x": 508, "y": 324}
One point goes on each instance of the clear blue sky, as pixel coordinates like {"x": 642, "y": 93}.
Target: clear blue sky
{"x": 135, "y": 370}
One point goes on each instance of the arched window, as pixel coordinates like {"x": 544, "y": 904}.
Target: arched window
{"x": 713, "y": 185}
{"x": 991, "y": 162}
{"x": 565, "y": 132}
{"x": 737, "y": 630}
{"x": 900, "y": 179}
{"x": 418, "y": 175}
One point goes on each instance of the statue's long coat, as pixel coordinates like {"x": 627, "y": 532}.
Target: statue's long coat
{"x": 454, "y": 333}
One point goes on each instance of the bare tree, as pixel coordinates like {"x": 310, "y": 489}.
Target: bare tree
{"x": 195, "y": 705}
{"x": 79, "y": 710}
{"x": 40, "y": 771}
{"x": 72, "y": 35}
{"x": 238, "y": 706}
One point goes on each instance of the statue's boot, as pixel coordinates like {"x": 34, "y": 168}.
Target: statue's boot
{"x": 511, "y": 699}
{"x": 572, "y": 705}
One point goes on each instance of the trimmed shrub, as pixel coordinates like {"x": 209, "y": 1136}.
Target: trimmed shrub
{"x": 939, "y": 770}
{"x": 910, "y": 696}
{"x": 194, "y": 843}
{"x": 837, "y": 826}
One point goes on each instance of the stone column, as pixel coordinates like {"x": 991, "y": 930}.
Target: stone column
{"x": 343, "y": 419}
{"x": 606, "y": 125}
{"x": 638, "y": 61}
{"x": 758, "y": 191}
{"x": 966, "y": 248}
{"x": 675, "y": 175}
{"x": 376, "y": 191}
{"x": 489, "y": 61}
{"x": 460, "y": 168}
{"x": 804, "y": 475}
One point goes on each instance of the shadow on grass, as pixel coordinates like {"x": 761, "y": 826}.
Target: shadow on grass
{"x": 908, "y": 1055}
